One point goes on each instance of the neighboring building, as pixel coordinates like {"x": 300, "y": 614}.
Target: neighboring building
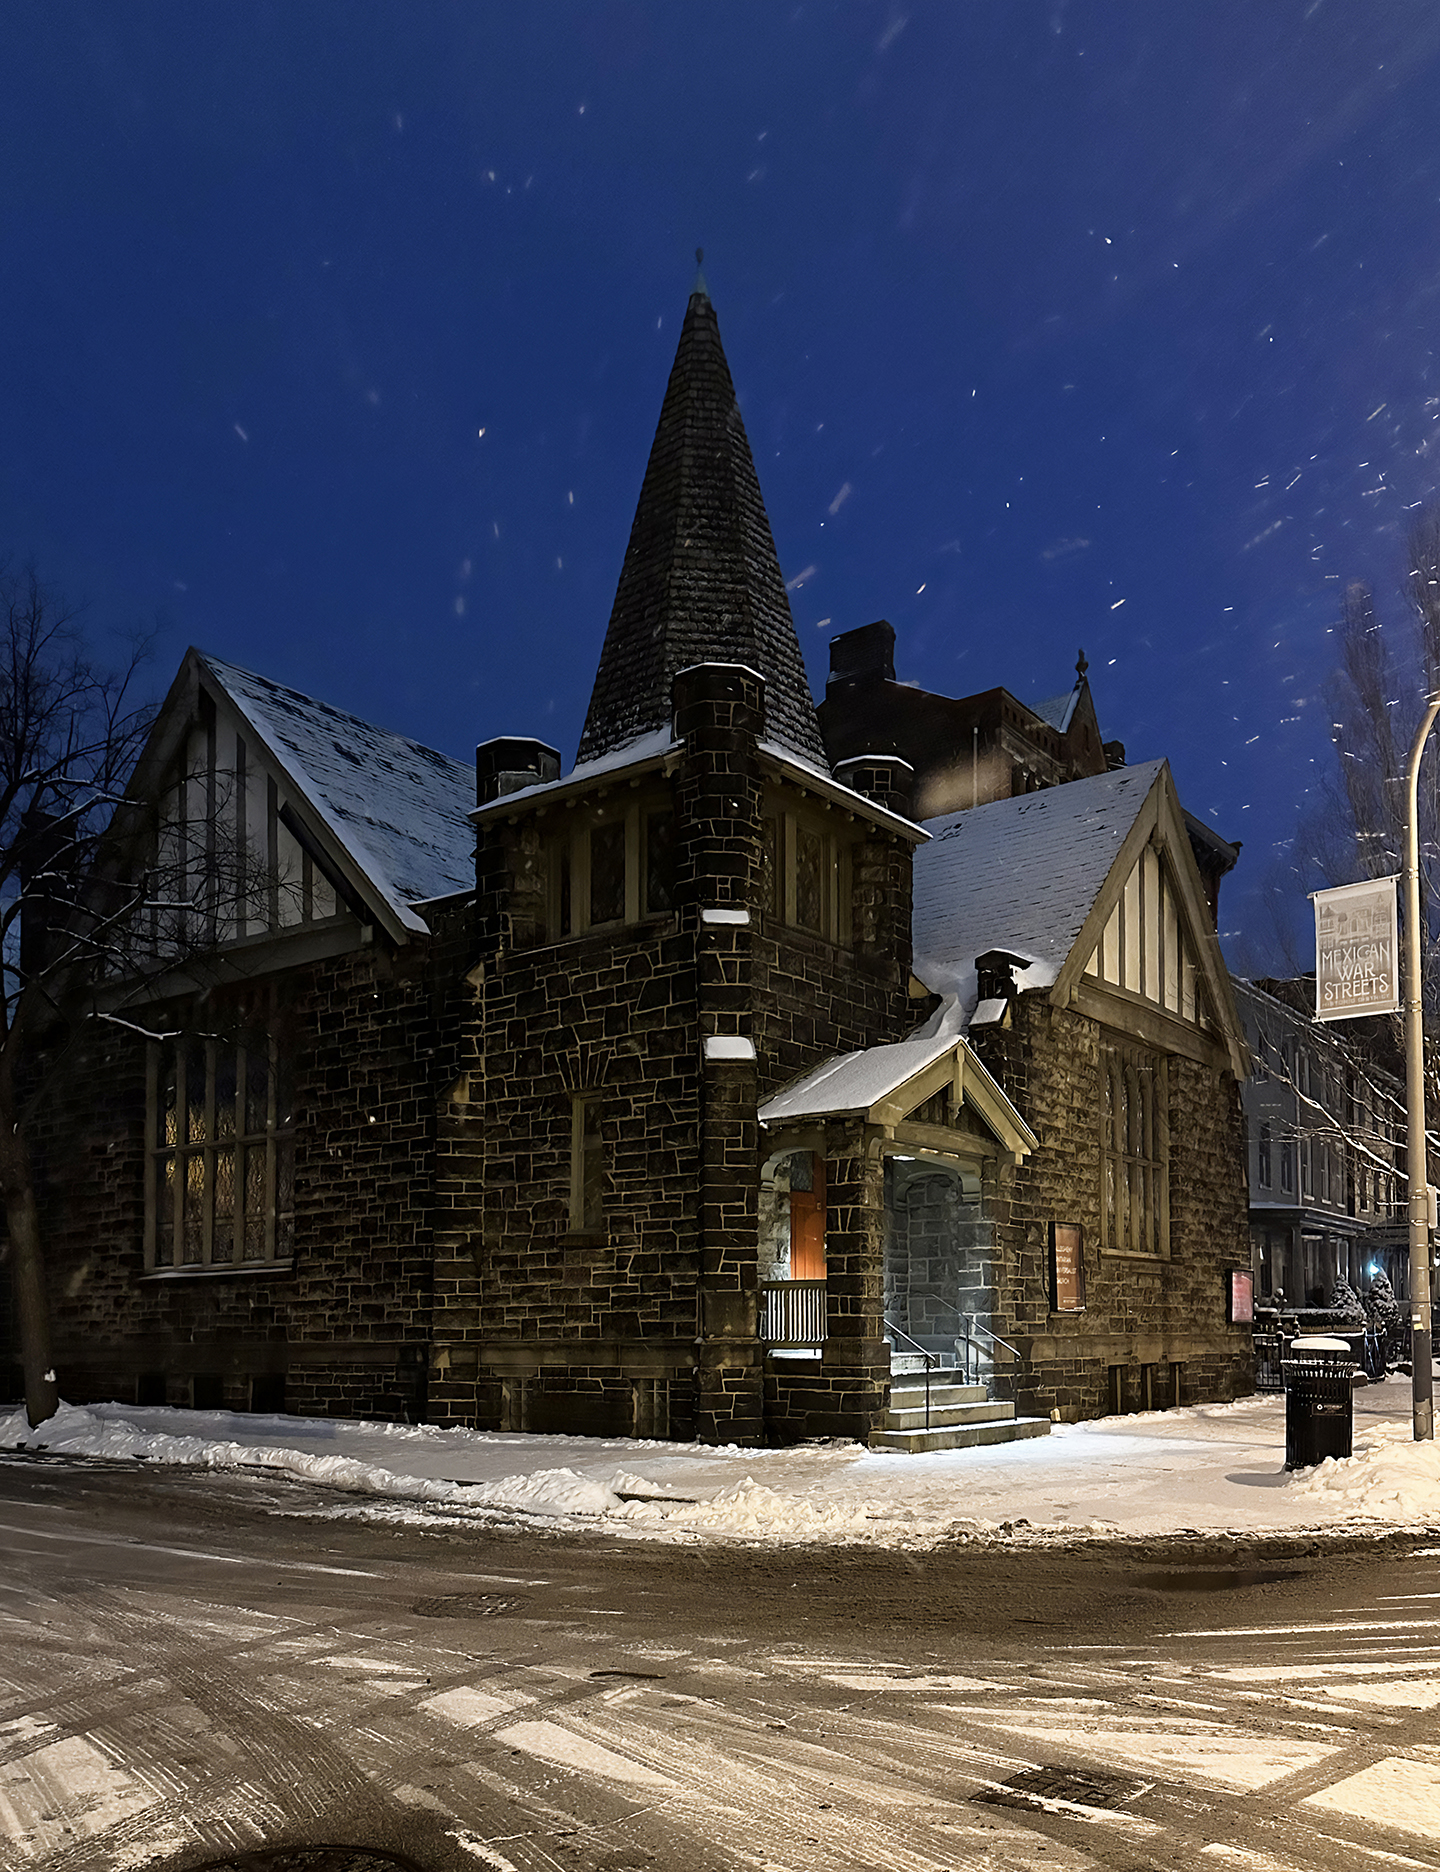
{"x": 617, "y": 1102}
{"x": 1325, "y": 1116}
{"x": 964, "y": 751}
{"x": 969, "y": 750}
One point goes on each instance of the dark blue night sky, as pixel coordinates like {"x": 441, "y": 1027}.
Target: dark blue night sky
{"x": 334, "y": 336}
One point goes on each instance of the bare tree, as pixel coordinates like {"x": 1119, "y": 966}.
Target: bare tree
{"x": 70, "y": 730}
{"x": 112, "y": 893}
{"x": 1376, "y": 699}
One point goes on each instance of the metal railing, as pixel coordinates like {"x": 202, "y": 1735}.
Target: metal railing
{"x": 792, "y": 1314}
{"x": 1371, "y": 1349}
{"x": 931, "y": 1359}
{"x": 976, "y": 1344}
{"x": 971, "y": 1350}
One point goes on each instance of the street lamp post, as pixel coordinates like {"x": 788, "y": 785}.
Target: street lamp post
{"x": 1422, "y": 1387}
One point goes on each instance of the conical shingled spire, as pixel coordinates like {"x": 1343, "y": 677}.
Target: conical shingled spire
{"x": 701, "y": 582}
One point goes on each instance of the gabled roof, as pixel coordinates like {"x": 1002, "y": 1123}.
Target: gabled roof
{"x": 883, "y": 1083}
{"x": 701, "y": 582}
{"x": 1020, "y": 875}
{"x": 398, "y": 809}
{"x": 1058, "y": 711}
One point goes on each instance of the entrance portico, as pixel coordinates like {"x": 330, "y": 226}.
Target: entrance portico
{"x": 904, "y": 1144}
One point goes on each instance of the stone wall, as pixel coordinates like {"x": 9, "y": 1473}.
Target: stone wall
{"x": 1152, "y": 1326}
{"x": 344, "y": 1330}
{"x": 651, "y": 1319}
{"x": 939, "y": 1256}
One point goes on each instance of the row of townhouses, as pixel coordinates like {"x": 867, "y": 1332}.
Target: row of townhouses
{"x": 1326, "y": 1136}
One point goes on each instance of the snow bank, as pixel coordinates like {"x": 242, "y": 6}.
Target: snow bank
{"x": 1212, "y": 1469}
{"x": 1389, "y": 1478}
{"x": 77, "y": 1431}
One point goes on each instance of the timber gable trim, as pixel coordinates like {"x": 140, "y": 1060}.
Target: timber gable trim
{"x": 1160, "y": 824}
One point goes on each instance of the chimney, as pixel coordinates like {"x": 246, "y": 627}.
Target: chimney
{"x": 511, "y": 762}
{"x": 868, "y": 652}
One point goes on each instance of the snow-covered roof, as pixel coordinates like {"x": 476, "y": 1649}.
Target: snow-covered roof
{"x": 854, "y": 1082}
{"x": 1019, "y": 875}
{"x": 399, "y": 809}
{"x": 641, "y": 750}
{"x": 1058, "y": 710}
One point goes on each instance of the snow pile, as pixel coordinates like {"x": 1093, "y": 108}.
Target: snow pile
{"x": 1390, "y": 1478}
{"x": 1212, "y": 1469}
{"x": 77, "y": 1431}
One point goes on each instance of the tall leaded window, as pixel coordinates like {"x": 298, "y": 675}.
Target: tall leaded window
{"x": 220, "y": 1167}
{"x": 1134, "y": 1152}
{"x": 1264, "y": 1158}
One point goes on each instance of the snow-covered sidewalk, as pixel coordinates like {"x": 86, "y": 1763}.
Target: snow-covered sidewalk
{"x": 1210, "y": 1469}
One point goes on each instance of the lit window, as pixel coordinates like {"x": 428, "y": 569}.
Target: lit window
{"x": 220, "y": 1170}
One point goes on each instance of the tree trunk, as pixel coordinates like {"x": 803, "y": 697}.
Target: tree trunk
{"x": 27, "y": 1274}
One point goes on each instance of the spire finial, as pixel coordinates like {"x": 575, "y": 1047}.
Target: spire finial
{"x": 700, "y": 286}
{"x": 1081, "y": 666}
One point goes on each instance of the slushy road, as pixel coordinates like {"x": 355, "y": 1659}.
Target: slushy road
{"x": 196, "y": 1668}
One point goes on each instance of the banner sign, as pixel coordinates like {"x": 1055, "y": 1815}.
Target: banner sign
{"x": 1357, "y": 950}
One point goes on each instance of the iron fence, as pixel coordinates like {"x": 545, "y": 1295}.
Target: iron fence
{"x": 792, "y": 1313}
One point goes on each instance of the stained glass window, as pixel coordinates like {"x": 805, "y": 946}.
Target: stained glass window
{"x": 220, "y": 1190}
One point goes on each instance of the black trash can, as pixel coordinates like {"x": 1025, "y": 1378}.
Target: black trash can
{"x": 1319, "y": 1401}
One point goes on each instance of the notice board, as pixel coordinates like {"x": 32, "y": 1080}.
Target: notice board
{"x": 1067, "y": 1268}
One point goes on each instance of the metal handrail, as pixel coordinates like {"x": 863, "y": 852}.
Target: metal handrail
{"x": 930, "y": 1358}
{"x": 971, "y": 1325}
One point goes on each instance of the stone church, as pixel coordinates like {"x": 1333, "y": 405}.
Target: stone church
{"x": 693, "y": 1091}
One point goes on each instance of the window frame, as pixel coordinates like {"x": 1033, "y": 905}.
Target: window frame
{"x": 783, "y": 826}
{"x": 569, "y": 900}
{"x": 165, "y": 1250}
{"x": 585, "y": 1144}
{"x": 1143, "y": 1174}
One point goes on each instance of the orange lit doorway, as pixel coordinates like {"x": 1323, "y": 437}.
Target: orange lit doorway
{"x": 807, "y": 1218}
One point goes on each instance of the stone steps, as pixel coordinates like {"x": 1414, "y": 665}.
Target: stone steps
{"x": 962, "y": 1416}
{"x": 960, "y": 1436}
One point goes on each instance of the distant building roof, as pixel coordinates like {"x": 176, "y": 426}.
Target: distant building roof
{"x": 701, "y": 582}
{"x": 1019, "y": 875}
{"x": 400, "y": 809}
{"x": 1058, "y": 710}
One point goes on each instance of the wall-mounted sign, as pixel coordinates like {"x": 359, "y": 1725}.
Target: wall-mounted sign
{"x": 1240, "y": 1297}
{"x": 1357, "y": 950}
{"x": 1067, "y": 1268}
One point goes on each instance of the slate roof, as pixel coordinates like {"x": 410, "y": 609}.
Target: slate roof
{"x": 1020, "y": 875}
{"x": 854, "y": 1082}
{"x": 1058, "y": 710}
{"x": 401, "y": 810}
{"x": 701, "y": 582}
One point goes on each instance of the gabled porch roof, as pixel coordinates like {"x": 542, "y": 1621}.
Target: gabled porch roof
{"x": 884, "y": 1085}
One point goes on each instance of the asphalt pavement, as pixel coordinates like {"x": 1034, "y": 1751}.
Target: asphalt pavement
{"x": 202, "y": 1670}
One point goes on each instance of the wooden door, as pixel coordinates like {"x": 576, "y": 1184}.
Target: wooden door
{"x": 807, "y": 1225}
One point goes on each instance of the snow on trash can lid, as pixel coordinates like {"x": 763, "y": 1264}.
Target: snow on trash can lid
{"x": 1320, "y": 1342}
